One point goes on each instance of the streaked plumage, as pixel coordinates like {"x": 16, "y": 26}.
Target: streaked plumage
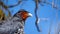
{"x": 14, "y": 24}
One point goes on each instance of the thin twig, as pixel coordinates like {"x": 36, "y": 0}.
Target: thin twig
{"x": 49, "y": 3}
{"x": 5, "y": 7}
{"x": 15, "y": 4}
{"x": 36, "y": 22}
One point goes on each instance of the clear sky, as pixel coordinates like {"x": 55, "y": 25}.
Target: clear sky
{"x": 45, "y": 11}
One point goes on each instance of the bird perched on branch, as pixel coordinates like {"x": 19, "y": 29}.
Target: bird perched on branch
{"x": 15, "y": 24}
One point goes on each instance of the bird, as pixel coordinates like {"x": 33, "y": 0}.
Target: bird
{"x": 15, "y": 24}
{"x": 23, "y": 14}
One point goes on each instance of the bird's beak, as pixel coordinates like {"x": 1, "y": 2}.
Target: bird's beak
{"x": 29, "y": 14}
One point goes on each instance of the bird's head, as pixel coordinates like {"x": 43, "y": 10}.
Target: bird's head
{"x": 24, "y": 14}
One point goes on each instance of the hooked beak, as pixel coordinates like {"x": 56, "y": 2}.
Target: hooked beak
{"x": 30, "y": 15}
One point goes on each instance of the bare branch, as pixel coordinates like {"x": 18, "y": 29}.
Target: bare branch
{"x": 15, "y": 4}
{"x": 49, "y": 3}
{"x": 5, "y": 7}
{"x": 36, "y": 22}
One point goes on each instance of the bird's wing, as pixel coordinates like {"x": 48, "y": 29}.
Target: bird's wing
{"x": 10, "y": 25}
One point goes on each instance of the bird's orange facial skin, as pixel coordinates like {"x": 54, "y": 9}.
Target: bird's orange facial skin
{"x": 24, "y": 15}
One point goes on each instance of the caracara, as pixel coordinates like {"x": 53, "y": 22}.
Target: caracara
{"x": 15, "y": 24}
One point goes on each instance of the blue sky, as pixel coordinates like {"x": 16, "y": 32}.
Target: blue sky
{"x": 45, "y": 11}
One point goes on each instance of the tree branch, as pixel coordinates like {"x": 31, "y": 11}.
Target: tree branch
{"x": 36, "y": 22}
